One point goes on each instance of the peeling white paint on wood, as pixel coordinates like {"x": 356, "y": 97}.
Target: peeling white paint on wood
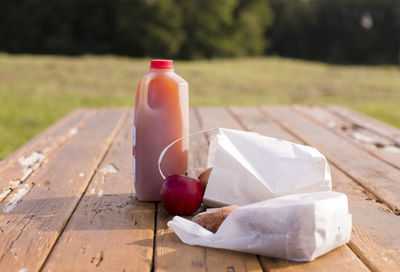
{"x": 28, "y": 172}
{"x": 15, "y": 182}
{"x": 392, "y": 149}
{"x": 5, "y": 192}
{"x": 33, "y": 158}
{"x": 73, "y": 131}
{"x": 109, "y": 169}
{"x": 17, "y": 197}
{"x": 13, "y": 253}
{"x": 363, "y": 138}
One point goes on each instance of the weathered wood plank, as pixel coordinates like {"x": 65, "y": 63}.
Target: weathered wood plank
{"x": 110, "y": 229}
{"x": 34, "y": 155}
{"x": 367, "y": 122}
{"x": 59, "y": 128}
{"x": 379, "y": 178}
{"x": 377, "y": 145}
{"x": 172, "y": 254}
{"x": 31, "y": 228}
{"x": 370, "y": 240}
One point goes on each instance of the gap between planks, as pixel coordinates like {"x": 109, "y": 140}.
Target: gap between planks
{"x": 153, "y": 258}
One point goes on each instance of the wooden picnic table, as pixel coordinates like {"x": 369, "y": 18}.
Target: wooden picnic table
{"x": 68, "y": 201}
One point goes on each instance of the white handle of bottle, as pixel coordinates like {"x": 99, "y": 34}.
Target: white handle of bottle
{"x": 174, "y": 142}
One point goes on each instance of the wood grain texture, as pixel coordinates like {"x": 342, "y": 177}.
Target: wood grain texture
{"x": 31, "y": 228}
{"x": 379, "y": 178}
{"x": 172, "y": 254}
{"x": 110, "y": 229}
{"x": 59, "y": 128}
{"x": 370, "y": 240}
{"x": 38, "y": 151}
{"x": 377, "y": 145}
{"x": 342, "y": 258}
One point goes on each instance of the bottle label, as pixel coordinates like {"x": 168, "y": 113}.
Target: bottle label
{"x": 134, "y": 153}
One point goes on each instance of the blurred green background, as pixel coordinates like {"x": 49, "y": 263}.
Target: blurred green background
{"x": 60, "y": 55}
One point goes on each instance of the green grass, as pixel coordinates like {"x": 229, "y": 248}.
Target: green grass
{"x": 35, "y": 91}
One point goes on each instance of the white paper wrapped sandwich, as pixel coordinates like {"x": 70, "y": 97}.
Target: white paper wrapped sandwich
{"x": 299, "y": 227}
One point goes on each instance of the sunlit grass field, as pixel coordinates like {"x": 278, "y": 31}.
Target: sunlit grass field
{"x": 35, "y": 91}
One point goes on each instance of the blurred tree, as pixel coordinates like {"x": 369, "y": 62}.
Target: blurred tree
{"x": 208, "y": 25}
{"x": 223, "y": 28}
{"x": 253, "y": 19}
{"x": 148, "y": 28}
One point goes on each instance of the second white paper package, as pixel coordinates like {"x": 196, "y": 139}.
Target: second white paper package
{"x": 249, "y": 167}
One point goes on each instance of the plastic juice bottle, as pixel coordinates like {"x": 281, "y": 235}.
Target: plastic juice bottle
{"x": 161, "y": 116}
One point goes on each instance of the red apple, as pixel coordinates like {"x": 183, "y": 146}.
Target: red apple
{"x": 181, "y": 195}
{"x": 204, "y": 176}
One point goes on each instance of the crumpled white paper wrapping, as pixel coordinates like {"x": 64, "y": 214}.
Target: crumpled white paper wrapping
{"x": 297, "y": 227}
{"x": 248, "y": 167}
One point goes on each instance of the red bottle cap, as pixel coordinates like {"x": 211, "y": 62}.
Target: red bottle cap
{"x": 161, "y": 64}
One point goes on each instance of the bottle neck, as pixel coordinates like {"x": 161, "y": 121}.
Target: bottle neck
{"x": 161, "y": 70}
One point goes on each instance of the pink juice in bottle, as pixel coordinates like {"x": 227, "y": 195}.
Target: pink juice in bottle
{"x": 161, "y": 116}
